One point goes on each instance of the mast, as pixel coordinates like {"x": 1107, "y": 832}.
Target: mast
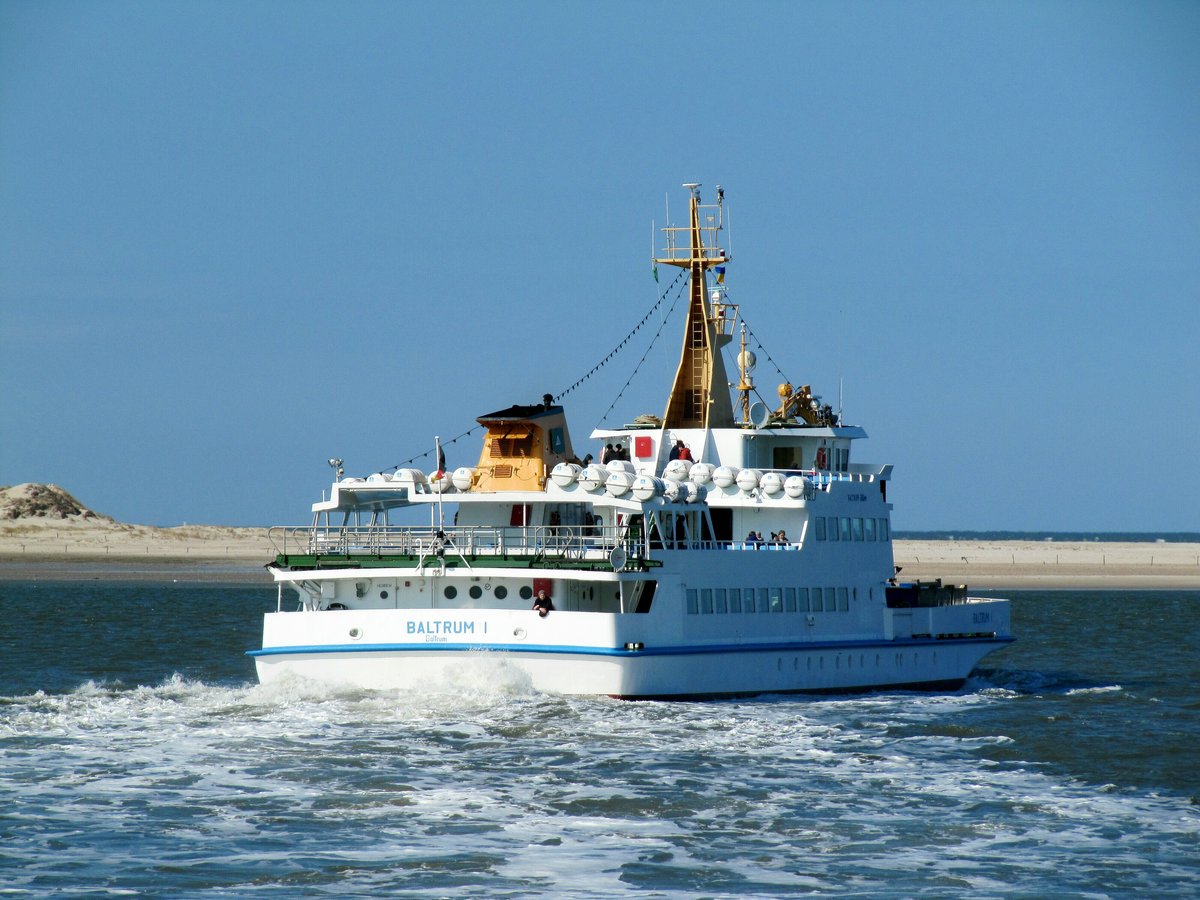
{"x": 700, "y": 395}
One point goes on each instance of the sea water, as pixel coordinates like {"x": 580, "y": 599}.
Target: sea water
{"x": 138, "y": 756}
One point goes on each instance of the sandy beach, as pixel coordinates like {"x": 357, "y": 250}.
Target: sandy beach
{"x": 1052, "y": 564}
{"x": 47, "y": 549}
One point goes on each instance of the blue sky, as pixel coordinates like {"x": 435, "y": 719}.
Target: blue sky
{"x": 239, "y": 238}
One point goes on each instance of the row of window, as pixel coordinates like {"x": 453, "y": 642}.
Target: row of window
{"x": 850, "y": 528}
{"x": 475, "y": 592}
{"x": 705, "y": 601}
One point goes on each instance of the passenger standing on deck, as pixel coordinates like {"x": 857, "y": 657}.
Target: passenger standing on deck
{"x": 684, "y": 453}
{"x": 675, "y": 448}
{"x": 543, "y": 604}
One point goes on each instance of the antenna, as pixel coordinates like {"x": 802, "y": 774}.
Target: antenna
{"x": 670, "y": 239}
{"x": 729, "y": 233}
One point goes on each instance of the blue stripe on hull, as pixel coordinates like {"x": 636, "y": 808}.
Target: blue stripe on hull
{"x": 693, "y": 650}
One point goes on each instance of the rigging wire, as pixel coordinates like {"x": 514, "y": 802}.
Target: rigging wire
{"x": 653, "y": 341}
{"x": 603, "y": 362}
{"x": 629, "y": 337}
{"x": 759, "y": 344}
{"x": 731, "y": 357}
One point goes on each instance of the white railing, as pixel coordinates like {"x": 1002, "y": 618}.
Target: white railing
{"x": 551, "y": 541}
{"x": 560, "y": 541}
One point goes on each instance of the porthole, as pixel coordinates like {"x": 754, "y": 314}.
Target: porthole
{"x": 526, "y": 592}
{"x": 383, "y": 595}
{"x": 501, "y": 592}
{"x": 476, "y": 592}
{"x": 450, "y": 593}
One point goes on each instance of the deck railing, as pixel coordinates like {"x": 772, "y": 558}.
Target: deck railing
{"x": 552, "y": 541}
{"x": 549, "y": 542}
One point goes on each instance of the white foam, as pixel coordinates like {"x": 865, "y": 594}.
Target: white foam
{"x": 1106, "y": 689}
{"x": 559, "y": 794}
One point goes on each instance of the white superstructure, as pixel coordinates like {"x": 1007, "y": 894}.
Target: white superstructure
{"x": 659, "y": 587}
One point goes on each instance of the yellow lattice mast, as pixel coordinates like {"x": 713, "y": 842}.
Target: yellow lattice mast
{"x": 700, "y": 395}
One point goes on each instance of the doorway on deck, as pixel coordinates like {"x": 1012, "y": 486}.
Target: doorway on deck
{"x": 722, "y": 520}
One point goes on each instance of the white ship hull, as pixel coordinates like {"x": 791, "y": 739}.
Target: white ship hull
{"x": 655, "y": 556}
{"x": 675, "y": 649}
{"x": 678, "y": 673}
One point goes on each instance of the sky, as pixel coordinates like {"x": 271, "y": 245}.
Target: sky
{"x": 240, "y": 238}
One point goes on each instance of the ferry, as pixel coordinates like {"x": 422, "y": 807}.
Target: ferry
{"x": 720, "y": 547}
